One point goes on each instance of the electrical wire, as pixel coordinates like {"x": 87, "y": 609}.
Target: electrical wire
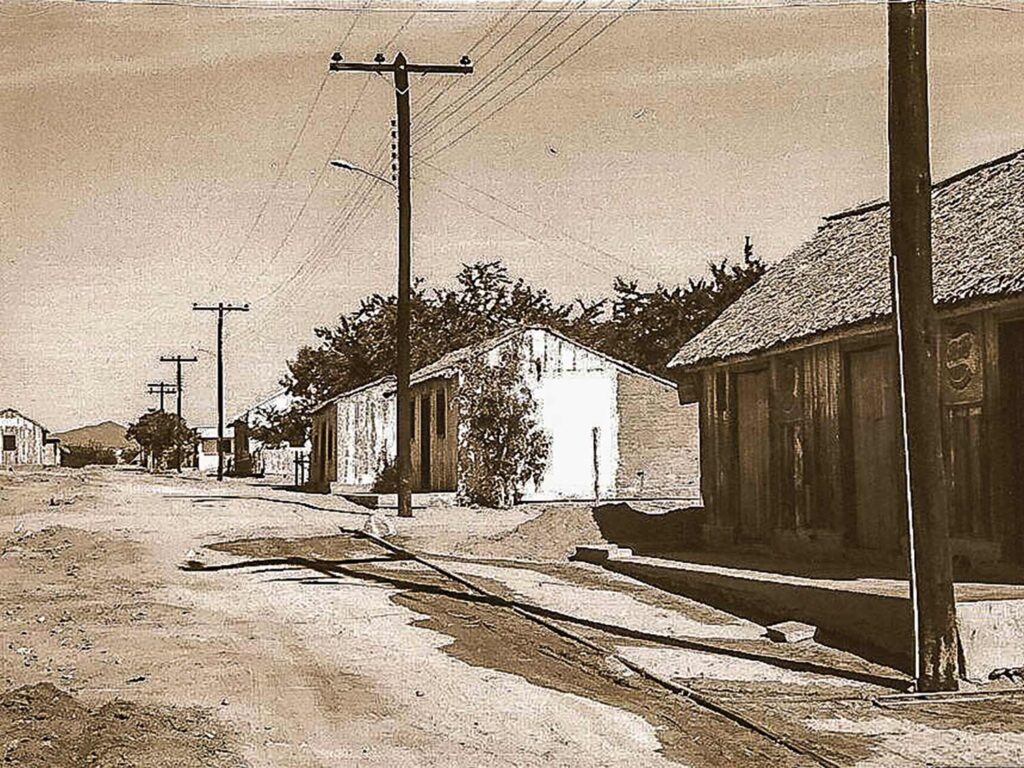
{"x": 590, "y": 246}
{"x": 512, "y": 58}
{"x": 530, "y": 86}
{"x": 291, "y": 153}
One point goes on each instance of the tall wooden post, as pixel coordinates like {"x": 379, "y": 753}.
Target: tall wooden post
{"x": 220, "y": 309}
{"x": 403, "y": 365}
{"x": 910, "y": 197}
{"x": 400, "y": 70}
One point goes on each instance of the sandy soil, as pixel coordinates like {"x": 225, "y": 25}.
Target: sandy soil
{"x": 294, "y": 646}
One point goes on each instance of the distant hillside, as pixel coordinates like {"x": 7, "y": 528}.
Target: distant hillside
{"x": 108, "y": 434}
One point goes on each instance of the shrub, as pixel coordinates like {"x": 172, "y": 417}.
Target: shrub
{"x": 78, "y": 456}
{"x": 501, "y": 446}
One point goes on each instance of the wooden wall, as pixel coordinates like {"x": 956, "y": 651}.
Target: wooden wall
{"x": 812, "y": 436}
{"x": 323, "y": 467}
{"x": 804, "y": 449}
{"x": 442, "y": 437}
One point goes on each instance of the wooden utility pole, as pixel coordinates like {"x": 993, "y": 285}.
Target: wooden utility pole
{"x": 400, "y": 70}
{"x": 910, "y": 199}
{"x": 221, "y": 308}
{"x": 161, "y": 388}
{"x": 178, "y": 360}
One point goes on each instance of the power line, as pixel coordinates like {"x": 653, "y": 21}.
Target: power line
{"x": 280, "y": 174}
{"x": 518, "y": 230}
{"x": 511, "y": 59}
{"x": 313, "y": 256}
{"x": 531, "y": 85}
{"x": 473, "y": 9}
{"x": 291, "y": 152}
{"x": 548, "y": 225}
{"x": 323, "y": 168}
{"x": 465, "y": 118}
{"x": 441, "y": 87}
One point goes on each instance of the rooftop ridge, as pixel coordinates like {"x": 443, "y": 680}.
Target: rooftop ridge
{"x": 874, "y": 205}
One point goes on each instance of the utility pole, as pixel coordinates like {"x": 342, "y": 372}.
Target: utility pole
{"x": 221, "y": 308}
{"x": 178, "y": 360}
{"x": 400, "y": 69}
{"x": 161, "y": 388}
{"x": 910, "y": 201}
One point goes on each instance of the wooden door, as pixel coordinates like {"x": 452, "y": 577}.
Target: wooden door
{"x": 425, "y": 446}
{"x": 1008, "y": 433}
{"x": 878, "y": 486}
{"x": 753, "y": 445}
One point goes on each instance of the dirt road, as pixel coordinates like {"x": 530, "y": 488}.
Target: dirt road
{"x": 296, "y": 647}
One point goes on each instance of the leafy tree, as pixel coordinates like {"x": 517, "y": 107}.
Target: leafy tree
{"x": 647, "y": 328}
{"x": 643, "y": 327}
{"x": 276, "y": 428}
{"x": 159, "y": 432}
{"x": 501, "y": 445}
{"x": 362, "y": 346}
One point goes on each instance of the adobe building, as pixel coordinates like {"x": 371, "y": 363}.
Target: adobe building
{"x": 616, "y": 432}
{"x": 25, "y": 442}
{"x": 798, "y": 388}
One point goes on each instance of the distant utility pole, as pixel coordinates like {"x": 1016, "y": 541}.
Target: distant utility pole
{"x": 910, "y": 200}
{"x": 178, "y": 360}
{"x": 161, "y": 388}
{"x": 220, "y": 308}
{"x": 400, "y": 69}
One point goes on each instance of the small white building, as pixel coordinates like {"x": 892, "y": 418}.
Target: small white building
{"x": 616, "y": 432}
{"x": 273, "y": 460}
{"x": 25, "y": 442}
{"x": 206, "y": 448}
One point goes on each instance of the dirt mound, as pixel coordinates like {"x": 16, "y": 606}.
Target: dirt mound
{"x": 43, "y": 726}
{"x": 551, "y": 535}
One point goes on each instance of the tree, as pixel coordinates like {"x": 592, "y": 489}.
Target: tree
{"x": 501, "y": 446}
{"x": 159, "y": 432}
{"x": 362, "y": 346}
{"x": 647, "y": 328}
{"x": 643, "y": 327}
{"x": 276, "y": 428}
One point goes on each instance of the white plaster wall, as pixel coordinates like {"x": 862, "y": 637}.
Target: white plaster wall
{"x": 575, "y": 392}
{"x": 366, "y": 431}
{"x": 28, "y": 440}
{"x": 570, "y": 407}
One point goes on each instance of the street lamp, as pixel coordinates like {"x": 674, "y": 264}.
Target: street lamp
{"x": 349, "y": 167}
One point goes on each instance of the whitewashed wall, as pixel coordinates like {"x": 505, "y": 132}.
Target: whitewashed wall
{"x": 576, "y": 394}
{"x": 28, "y": 436}
{"x": 366, "y": 435}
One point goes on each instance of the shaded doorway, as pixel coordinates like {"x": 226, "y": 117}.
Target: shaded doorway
{"x": 753, "y": 446}
{"x": 1011, "y": 427}
{"x": 425, "y": 445}
{"x": 877, "y": 455}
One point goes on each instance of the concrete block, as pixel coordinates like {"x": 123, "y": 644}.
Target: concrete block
{"x": 593, "y": 553}
{"x": 991, "y": 635}
{"x": 791, "y": 632}
{"x": 617, "y": 553}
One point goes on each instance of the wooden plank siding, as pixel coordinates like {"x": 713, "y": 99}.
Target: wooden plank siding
{"x": 820, "y": 398}
{"x": 437, "y": 431}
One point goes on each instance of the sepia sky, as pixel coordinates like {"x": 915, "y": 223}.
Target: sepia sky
{"x": 143, "y": 151}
